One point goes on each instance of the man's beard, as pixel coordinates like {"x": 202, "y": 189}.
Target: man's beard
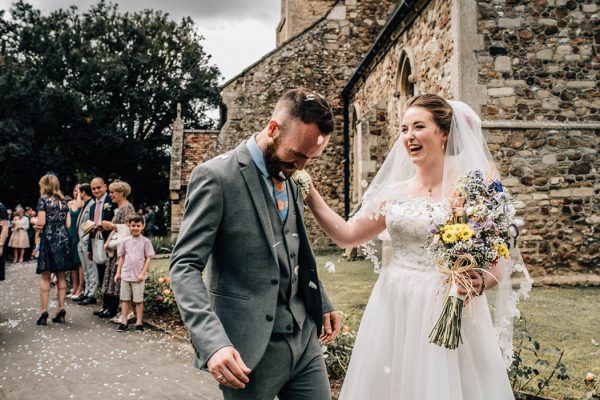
{"x": 274, "y": 163}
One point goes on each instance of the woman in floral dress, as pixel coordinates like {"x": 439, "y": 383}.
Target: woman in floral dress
{"x": 55, "y": 252}
{"x": 118, "y": 191}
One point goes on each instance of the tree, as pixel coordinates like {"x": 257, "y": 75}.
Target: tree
{"x": 95, "y": 93}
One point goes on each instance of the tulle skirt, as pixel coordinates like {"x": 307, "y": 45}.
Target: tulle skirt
{"x": 19, "y": 239}
{"x": 392, "y": 356}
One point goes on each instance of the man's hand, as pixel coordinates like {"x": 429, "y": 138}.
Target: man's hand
{"x": 141, "y": 277}
{"x": 477, "y": 285}
{"x": 331, "y": 326}
{"x": 227, "y": 367}
{"x": 117, "y": 277}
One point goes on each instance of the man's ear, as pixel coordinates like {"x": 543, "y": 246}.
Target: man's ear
{"x": 273, "y": 129}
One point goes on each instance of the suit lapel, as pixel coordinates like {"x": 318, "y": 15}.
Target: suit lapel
{"x": 252, "y": 179}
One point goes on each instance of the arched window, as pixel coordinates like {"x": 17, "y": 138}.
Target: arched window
{"x": 357, "y": 156}
{"x": 405, "y": 83}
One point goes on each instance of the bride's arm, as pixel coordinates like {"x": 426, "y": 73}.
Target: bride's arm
{"x": 344, "y": 234}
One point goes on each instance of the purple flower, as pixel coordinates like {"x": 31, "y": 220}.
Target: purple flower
{"x": 434, "y": 230}
{"x": 489, "y": 225}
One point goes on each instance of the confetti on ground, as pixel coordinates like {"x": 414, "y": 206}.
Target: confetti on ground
{"x": 86, "y": 355}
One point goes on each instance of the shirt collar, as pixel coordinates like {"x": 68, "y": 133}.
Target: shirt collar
{"x": 257, "y": 155}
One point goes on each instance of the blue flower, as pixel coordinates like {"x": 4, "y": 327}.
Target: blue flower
{"x": 496, "y": 186}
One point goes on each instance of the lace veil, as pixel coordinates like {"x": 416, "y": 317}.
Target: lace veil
{"x": 466, "y": 150}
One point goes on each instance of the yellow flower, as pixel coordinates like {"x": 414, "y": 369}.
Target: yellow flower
{"x": 466, "y": 232}
{"x": 449, "y": 237}
{"x": 502, "y": 250}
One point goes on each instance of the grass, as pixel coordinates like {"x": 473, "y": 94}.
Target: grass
{"x": 565, "y": 318}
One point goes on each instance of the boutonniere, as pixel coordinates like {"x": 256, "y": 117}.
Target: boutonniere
{"x": 106, "y": 206}
{"x": 303, "y": 180}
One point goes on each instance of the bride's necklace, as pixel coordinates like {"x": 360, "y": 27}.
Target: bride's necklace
{"x": 430, "y": 188}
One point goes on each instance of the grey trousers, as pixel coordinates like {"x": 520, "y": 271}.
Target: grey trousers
{"x": 292, "y": 368}
{"x": 90, "y": 272}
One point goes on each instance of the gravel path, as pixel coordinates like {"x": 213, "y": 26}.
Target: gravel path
{"x": 86, "y": 358}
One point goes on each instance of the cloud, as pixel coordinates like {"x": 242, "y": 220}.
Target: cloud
{"x": 199, "y": 10}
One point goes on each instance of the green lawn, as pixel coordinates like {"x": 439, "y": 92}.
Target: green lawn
{"x": 564, "y": 318}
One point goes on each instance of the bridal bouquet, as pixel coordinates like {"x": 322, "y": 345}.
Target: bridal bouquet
{"x": 477, "y": 232}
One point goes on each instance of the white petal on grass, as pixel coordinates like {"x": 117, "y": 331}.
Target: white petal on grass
{"x": 330, "y": 267}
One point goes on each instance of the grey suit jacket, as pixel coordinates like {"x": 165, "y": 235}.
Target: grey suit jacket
{"x": 226, "y": 229}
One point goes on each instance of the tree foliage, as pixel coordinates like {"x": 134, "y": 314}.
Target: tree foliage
{"x": 95, "y": 93}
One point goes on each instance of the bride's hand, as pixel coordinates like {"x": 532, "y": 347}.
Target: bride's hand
{"x": 477, "y": 281}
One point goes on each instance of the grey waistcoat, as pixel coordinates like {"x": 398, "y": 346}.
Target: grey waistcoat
{"x": 291, "y": 310}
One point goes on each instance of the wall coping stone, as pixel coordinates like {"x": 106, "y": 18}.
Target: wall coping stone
{"x": 508, "y": 124}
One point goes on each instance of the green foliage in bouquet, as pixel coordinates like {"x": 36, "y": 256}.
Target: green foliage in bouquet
{"x": 158, "y": 297}
{"x": 528, "y": 381}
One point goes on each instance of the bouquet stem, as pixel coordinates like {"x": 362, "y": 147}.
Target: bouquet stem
{"x": 446, "y": 331}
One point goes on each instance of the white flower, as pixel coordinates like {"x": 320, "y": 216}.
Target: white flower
{"x": 330, "y": 267}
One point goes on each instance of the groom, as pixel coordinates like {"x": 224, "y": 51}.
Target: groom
{"x": 255, "y": 324}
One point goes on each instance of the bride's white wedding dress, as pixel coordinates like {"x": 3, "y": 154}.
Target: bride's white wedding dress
{"x": 392, "y": 356}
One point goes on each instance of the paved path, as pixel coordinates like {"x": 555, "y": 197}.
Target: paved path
{"x": 86, "y": 358}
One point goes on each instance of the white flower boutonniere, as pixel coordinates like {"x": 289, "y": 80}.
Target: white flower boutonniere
{"x": 106, "y": 206}
{"x": 303, "y": 180}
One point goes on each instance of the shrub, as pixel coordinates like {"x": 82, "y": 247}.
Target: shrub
{"x": 592, "y": 384}
{"x": 337, "y": 353}
{"x": 158, "y": 296}
{"x": 163, "y": 244}
{"x": 524, "y": 377}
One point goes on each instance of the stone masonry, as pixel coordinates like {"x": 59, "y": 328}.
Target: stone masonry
{"x": 528, "y": 67}
{"x": 535, "y": 85}
{"x": 322, "y": 58}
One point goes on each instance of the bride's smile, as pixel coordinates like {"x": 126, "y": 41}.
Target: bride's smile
{"x": 421, "y": 137}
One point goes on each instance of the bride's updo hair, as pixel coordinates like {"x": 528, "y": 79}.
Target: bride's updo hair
{"x": 437, "y": 106}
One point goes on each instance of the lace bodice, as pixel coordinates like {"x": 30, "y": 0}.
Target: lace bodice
{"x": 408, "y": 226}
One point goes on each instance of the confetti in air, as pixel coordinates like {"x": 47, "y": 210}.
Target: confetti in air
{"x": 330, "y": 267}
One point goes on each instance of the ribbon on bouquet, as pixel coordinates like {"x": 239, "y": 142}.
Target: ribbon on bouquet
{"x": 446, "y": 331}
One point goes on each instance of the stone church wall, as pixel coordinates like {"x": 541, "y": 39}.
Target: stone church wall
{"x": 322, "y": 58}
{"x": 540, "y": 64}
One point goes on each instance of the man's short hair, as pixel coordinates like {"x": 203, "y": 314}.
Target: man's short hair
{"x": 86, "y": 188}
{"x": 137, "y": 219}
{"x": 309, "y": 107}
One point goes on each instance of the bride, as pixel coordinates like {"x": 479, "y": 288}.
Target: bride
{"x": 392, "y": 357}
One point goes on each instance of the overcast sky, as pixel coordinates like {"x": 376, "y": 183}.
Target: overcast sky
{"x": 237, "y": 32}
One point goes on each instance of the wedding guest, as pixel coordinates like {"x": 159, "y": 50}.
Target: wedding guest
{"x": 3, "y": 236}
{"x": 19, "y": 239}
{"x": 135, "y": 256}
{"x": 55, "y": 252}
{"x": 119, "y": 191}
{"x": 6, "y": 248}
{"x": 89, "y": 268}
{"x": 29, "y": 214}
{"x": 77, "y": 279}
{"x": 101, "y": 210}
{"x": 150, "y": 221}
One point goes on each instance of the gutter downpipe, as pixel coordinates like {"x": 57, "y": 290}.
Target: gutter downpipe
{"x": 346, "y": 129}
